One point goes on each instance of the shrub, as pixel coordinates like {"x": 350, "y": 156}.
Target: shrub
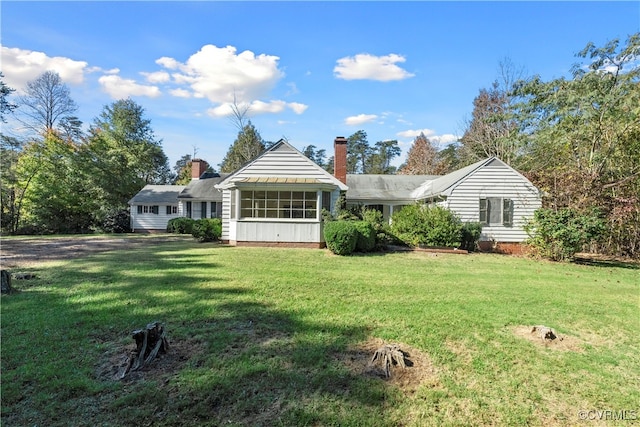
{"x": 207, "y": 229}
{"x": 341, "y": 237}
{"x": 117, "y": 221}
{"x": 470, "y": 235}
{"x": 180, "y": 225}
{"x": 422, "y": 225}
{"x": 366, "y": 241}
{"x": 559, "y": 235}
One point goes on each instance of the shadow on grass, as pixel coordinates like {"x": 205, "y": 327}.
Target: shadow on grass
{"x": 251, "y": 363}
{"x": 610, "y": 263}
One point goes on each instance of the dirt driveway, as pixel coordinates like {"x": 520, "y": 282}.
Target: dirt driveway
{"x": 20, "y": 252}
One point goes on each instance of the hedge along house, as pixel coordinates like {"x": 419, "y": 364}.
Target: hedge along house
{"x": 277, "y": 199}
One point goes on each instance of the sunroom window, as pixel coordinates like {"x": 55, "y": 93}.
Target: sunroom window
{"x": 278, "y": 204}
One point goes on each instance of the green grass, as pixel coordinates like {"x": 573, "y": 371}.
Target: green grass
{"x": 261, "y": 333}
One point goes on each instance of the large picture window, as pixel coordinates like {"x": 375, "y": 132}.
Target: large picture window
{"x": 278, "y": 204}
{"x": 496, "y": 210}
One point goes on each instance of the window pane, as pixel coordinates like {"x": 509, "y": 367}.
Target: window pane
{"x": 495, "y": 210}
{"x": 297, "y": 195}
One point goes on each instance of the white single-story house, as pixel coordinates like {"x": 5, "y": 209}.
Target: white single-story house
{"x": 489, "y": 191}
{"x": 153, "y": 207}
{"x": 278, "y": 197}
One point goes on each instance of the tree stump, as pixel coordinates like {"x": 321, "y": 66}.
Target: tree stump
{"x": 544, "y": 332}
{"x": 149, "y": 342}
{"x": 6, "y": 282}
{"x": 389, "y": 355}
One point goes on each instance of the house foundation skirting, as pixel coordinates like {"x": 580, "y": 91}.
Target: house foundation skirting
{"x": 508, "y": 248}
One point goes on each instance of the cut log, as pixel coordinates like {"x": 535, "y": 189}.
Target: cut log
{"x": 6, "y": 282}
{"x": 149, "y": 342}
{"x": 389, "y": 355}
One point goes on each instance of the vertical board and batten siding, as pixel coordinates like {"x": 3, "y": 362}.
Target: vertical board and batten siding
{"x": 495, "y": 180}
{"x": 227, "y": 233}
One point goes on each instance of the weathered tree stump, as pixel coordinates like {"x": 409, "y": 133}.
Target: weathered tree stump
{"x": 389, "y": 355}
{"x": 544, "y": 332}
{"x": 149, "y": 342}
{"x": 6, "y": 282}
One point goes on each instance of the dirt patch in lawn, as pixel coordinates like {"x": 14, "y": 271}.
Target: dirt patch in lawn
{"x": 25, "y": 252}
{"x": 419, "y": 368}
{"x": 114, "y": 361}
{"x": 561, "y": 343}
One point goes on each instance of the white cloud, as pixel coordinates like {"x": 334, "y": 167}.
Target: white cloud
{"x": 360, "y": 119}
{"x": 180, "y": 93}
{"x": 445, "y": 139}
{"x": 20, "y": 66}
{"x": 369, "y": 67}
{"x": 220, "y": 74}
{"x": 412, "y": 133}
{"x": 157, "y": 77}
{"x": 297, "y": 107}
{"x": 259, "y": 107}
{"x": 119, "y": 88}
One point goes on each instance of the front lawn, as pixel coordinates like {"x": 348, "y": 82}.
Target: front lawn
{"x": 262, "y": 336}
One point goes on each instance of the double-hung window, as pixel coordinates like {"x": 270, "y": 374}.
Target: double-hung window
{"x": 144, "y": 209}
{"x": 496, "y": 210}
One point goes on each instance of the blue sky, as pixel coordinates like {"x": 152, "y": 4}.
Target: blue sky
{"x": 310, "y": 71}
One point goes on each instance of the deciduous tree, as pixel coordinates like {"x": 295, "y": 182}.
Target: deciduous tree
{"x": 584, "y": 138}
{"x": 46, "y": 101}
{"x": 422, "y": 158}
{"x": 125, "y": 153}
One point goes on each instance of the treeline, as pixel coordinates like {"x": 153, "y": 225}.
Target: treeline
{"x": 58, "y": 179}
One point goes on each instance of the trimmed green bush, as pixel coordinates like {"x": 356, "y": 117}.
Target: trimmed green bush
{"x": 470, "y": 235}
{"x": 180, "y": 225}
{"x": 117, "y": 221}
{"x": 207, "y": 229}
{"x": 422, "y": 225}
{"x": 341, "y": 236}
{"x": 559, "y": 235}
{"x": 366, "y": 241}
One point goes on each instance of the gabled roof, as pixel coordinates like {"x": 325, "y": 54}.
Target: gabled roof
{"x": 157, "y": 194}
{"x": 281, "y": 161}
{"x": 203, "y": 188}
{"x": 366, "y": 187}
{"x": 444, "y": 185}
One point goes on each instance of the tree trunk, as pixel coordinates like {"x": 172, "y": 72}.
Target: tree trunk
{"x": 6, "y": 282}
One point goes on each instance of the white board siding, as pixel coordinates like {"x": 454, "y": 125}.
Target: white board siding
{"x": 226, "y": 216}
{"x": 496, "y": 181}
{"x": 150, "y": 221}
{"x": 261, "y": 231}
{"x": 284, "y": 163}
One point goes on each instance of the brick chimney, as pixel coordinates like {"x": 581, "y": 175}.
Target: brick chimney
{"x": 198, "y": 167}
{"x": 340, "y": 158}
